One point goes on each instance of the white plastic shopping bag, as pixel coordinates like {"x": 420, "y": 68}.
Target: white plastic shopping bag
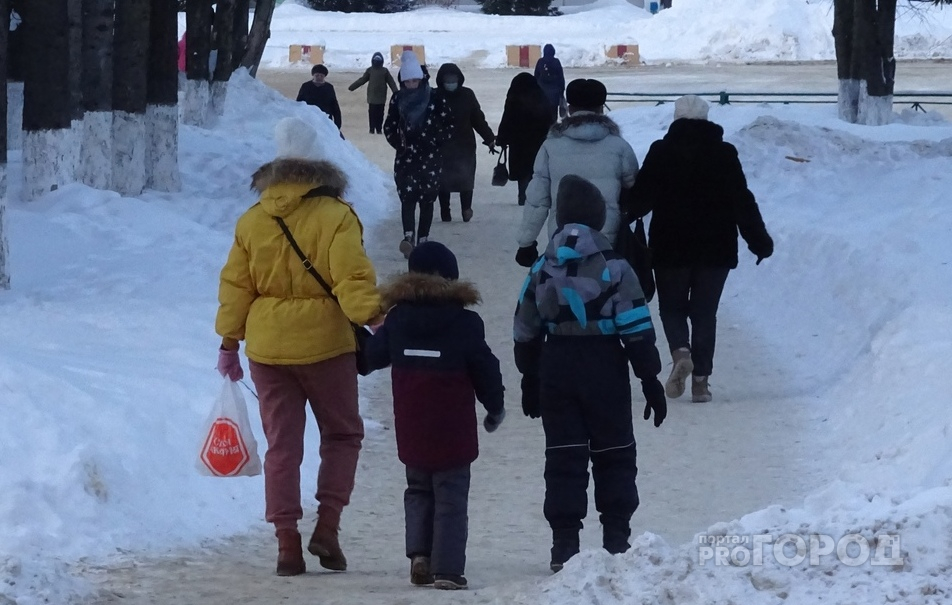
{"x": 229, "y": 448}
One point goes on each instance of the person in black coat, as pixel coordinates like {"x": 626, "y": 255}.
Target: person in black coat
{"x": 549, "y": 75}
{"x": 418, "y": 123}
{"x": 459, "y": 153}
{"x": 693, "y": 184}
{"x": 525, "y": 124}
{"x": 441, "y": 366}
{"x": 321, "y": 94}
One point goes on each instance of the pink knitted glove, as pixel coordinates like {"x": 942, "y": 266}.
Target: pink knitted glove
{"x": 229, "y": 365}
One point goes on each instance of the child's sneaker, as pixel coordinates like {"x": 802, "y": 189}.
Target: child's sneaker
{"x": 700, "y": 392}
{"x": 406, "y": 246}
{"x": 564, "y": 547}
{"x": 420, "y": 571}
{"x": 682, "y": 368}
{"x": 449, "y": 582}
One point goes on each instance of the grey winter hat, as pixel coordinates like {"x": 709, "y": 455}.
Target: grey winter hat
{"x": 691, "y": 107}
{"x": 579, "y": 201}
{"x": 377, "y": 59}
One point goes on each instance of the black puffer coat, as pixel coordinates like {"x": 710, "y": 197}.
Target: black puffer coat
{"x": 459, "y": 153}
{"x": 694, "y": 186}
{"x": 524, "y": 125}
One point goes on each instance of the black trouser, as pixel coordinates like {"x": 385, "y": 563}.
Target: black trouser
{"x": 691, "y": 293}
{"x": 585, "y": 397}
{"x": 465, "y": 201}
{"x": 408, "y": 210}
{"x": 375, "y": 115}
{"x": 436, "y": 517}
{"x": 523, "y": 185}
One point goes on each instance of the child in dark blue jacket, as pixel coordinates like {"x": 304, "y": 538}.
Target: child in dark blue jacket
{"x": 441, "y": 366}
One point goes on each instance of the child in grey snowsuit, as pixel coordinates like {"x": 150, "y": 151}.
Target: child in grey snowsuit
{"x": 378, "y": 78}
{"x": 441, "y": 366}
{"x": 581, "y": 319}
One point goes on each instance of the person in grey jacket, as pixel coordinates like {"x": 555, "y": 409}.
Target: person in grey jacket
{"x": 586, "y": 143}
{"x": 378, "y": 78}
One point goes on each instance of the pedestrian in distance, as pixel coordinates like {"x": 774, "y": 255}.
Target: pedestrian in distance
{"x": 299, "y": 341}
{"x": 549, "y": 75}
{"x": 580, "y": 320}
{"x": 441, "y": 366}
{"x": 377, "y": 78}
{"x": 321, "y": 94}
{"x": 418, "y": 123}
{"x": 522, "y": 130}
{"x": 459, "y": 153}
{"x": 693, "y": 184}
{"x": 586, "y": 143}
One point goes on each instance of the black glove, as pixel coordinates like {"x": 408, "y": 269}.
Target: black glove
{"x": 527, "y": 255}
{"x": 492, "y": 421}
{"x": 763, "y": 250}
{"x": 654, "y": 396}
{"x": 530, "y": 396}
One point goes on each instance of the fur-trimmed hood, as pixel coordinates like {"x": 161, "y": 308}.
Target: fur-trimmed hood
{"x": 285, "y": 183}
{"x": 585, "y": 126}
{"x": 300, "y": 171}
{"x": 426, "y": 288}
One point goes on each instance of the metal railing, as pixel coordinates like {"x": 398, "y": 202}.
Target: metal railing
{"x": 915, "y": 99}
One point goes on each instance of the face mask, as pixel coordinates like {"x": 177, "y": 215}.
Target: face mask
{"x": 450, "y": 86}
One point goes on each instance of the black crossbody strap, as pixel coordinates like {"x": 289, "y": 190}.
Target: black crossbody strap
{"x": 307, "y": 263}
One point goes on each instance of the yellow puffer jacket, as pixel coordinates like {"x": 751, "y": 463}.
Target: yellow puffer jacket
{"x": 268, "y": 298}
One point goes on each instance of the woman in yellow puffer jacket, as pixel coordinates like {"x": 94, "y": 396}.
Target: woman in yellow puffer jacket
{"x": 299, "y": 342}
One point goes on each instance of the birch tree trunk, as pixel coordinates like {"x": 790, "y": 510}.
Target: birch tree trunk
{"x": 198, "y": 35}
{"x": 130, "y": 69}
{"x": 48, "y": 141}
{"x": 258, "y": 37}
{"x": 96, "y": 157}
{"x": 224, "y": 36}
{"x": 162, "y": 170}
{"x": 4, "y": 248}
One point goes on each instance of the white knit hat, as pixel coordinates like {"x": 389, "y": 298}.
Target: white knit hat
{"x": 410, "y": 67}
{"x": 691, "y": 107}
{"x": 295, "y": 138}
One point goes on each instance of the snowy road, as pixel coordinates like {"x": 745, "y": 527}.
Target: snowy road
{"x": 750, "y": 448}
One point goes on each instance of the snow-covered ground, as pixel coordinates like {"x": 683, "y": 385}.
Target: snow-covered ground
{"x": 690, "y": 31}
{"x": 831, "y": 403}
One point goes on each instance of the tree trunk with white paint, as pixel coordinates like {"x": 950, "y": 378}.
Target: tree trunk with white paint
{"x": 240, "y": 46}
{"x": 224, "y": 36}
{"x": 162, "y": 170}
{"x": 130, "y": 76}
{"x": 48, "y": 138}
{"x": 96, "y": 159}
{"x": 4, "y": 249}
{"x": 863, "y": 32}
{"x": 198, "y": 35}
{"x": 848, "y": 94}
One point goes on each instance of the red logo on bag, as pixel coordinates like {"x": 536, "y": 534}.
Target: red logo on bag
{"x": 224, "y": 451}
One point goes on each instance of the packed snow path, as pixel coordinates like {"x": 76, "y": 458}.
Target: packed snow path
{"x": 749, "y": 448}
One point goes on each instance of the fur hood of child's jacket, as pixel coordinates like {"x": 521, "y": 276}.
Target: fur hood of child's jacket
{"x": 441, "y": 365}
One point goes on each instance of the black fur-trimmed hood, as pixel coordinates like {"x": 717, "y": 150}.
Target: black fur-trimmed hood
{"x": 300, "y": 171}
{"x": 585, "y": 125}
{"x": 426, "y": 288}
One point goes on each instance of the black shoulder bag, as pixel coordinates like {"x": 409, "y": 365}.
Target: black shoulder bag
{"x": 360, "y": 334}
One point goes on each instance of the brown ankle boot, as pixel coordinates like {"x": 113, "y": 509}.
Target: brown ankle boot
{"x": 290, "y": 554}
{"x": 324, "y": 543}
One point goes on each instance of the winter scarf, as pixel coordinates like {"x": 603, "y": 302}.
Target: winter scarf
{"x": 412, "y": 103}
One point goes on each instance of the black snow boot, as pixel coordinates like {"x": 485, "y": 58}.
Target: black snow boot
{"x": 564, "y": 547}
{"x": 615, "y": 539}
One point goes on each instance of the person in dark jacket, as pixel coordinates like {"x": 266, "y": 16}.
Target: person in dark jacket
{"x": 418, "y": 123}
{"x": 549, "y": 75}
{"x": 378, "y": 78}
{"x": 441, "y": 366}
{"x": 693, "y": 184}
{"x": 459, "y": 153}
{"x": 525, "y": 124}
{"x": 321, "y": 94}
{"x": 581, "y": 319}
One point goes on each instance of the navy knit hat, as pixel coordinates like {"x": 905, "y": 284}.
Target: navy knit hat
{"x": 586, "y": 94}
{"x": 377, "y": 59}
{"x": 435, "y": 258}
{"x": 579, "y": 201}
